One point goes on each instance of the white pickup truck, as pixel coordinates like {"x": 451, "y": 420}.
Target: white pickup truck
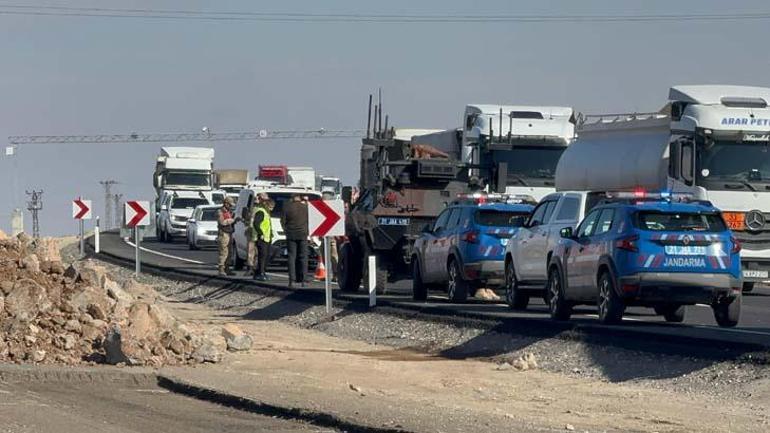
{"x": 529, "y": 250}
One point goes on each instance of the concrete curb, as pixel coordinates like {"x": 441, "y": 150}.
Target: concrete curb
{"x": 224, "y": 398}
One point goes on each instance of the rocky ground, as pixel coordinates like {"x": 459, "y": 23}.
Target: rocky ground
{"x": 52, "y": 311}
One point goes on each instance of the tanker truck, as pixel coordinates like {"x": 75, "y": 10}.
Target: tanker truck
{"x": 709, "y": 141}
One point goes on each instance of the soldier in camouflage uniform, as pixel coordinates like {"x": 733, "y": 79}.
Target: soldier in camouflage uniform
{"x": 226, "y": 226}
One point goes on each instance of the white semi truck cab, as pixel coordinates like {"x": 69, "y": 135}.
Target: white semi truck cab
{"x": 527, "y": 141}
{"x": 711, "y": 141}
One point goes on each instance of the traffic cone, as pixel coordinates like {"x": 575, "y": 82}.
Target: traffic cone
{"x": 320, "y": 270}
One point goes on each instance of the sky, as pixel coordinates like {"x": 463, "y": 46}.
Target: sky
{"x": 64, "y": 75}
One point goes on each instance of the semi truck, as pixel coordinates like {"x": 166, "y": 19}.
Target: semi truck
{"x": 523, "y": 142}
{"x": 709, "y": 141}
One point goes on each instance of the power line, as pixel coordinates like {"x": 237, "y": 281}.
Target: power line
{"x": 208, "y": 15}
{"x": 186, "y": 137}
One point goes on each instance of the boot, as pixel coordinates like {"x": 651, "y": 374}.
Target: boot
{"x": 222, "y": 271}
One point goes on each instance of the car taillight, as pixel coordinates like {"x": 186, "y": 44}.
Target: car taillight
{"x": 628, "y": 244}
{"x": 736, "y": 245}
{"x": 471, "y": 236}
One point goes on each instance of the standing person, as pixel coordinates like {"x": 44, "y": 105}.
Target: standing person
{"x": 225, "y": 227}
{"x": 263, "y": 228}
{"x": 294, "y": 223}
{"x": 251, "y": 239}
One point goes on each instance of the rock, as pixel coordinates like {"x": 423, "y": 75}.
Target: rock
{"x": 2, "y": 304}
{"x": 52, "y": 267}
{"x": 30, "y": 340}
{"x": 206, "y": 352}
{"x": 93, "y": 274}
{"x": 504, "y": 367}
{"x": 113, "y": 347}
{"x": 96, "y": 312}
{"x": 357, "y": 389}
{"x": 140, "y": 291}
{"x": 73, "y": 326}
{"x": 520, "y": 364}
{"x": 72, "y": 273}
{"x": 24, "y": 239}
{"x": 86, "y": 318}
{"x": 116, "y": 292}
{"x": 6, "y": 286}
{"x": 239, "y": 343}
{"x": 65, "y": 341}
{"x": 47, "y": 250}
{"x": 38, "y": 355}
{"x": 569, "y": 427}
{"x": 175, "y": 342}
{"x": 161, "y": 317}
{"x": 26, "y": 300}
{"x": 531, "y": 360}
{"x": 31, "y": 263}
{"x": 140, "y": 324}
{"x": 3, "y": 236}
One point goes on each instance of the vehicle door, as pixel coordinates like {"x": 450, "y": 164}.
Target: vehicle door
{"x": 450, "y": 239}
{"x": 242, "y": 206}
{"x": 577, "y": 253}
{"x": 532, "y": 265}
{"x": 429, "y": 259}
{"x": 598, "y": 246}
{"x": 566, "y": 214}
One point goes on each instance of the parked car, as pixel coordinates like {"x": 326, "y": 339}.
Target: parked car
{"x": 656, "y": 254}
{"x": 464, "y": 248}
{"x": 202, "y": 226}
{"x": 175, "y": 209}
{"x": 530, "y": 248}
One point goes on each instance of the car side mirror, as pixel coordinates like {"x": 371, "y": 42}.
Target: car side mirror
{"x": 427, "y": 229}
{"x": 191, "y": 220}
{"x": 566, "y": 232}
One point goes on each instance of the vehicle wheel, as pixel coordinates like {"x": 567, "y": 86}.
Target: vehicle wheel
{"x": 457, "y": 287}
{"x": 748, "y": 286}
{"x": 419, "y": 289}
{"x": 672, "y": 313}
{"x": 727, "y": 312}
{"x": 348, "y": 270}
{"x": 515, "y": 298}
{"x": 610, "y": 306}
{"x": 558, "y": 306}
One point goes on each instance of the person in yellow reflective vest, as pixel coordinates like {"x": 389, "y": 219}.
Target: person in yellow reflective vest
{"x": 263, "y": 229}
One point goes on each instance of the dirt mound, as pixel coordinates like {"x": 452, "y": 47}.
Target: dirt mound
{"x": 50, "y": 313}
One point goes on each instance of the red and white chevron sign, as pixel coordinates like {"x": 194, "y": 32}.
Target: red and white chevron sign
{"x": 326, "y": 218}
{"x": 137, "y": 213}
{"x": 81, "y": 209}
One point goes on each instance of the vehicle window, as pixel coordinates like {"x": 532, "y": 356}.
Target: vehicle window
{"x": 604, "y": 223}
{"x": 454, "y": 218}
{"x": 570, "y": 207}
{"x": 442, "y": 220}
{"x": 587, "y": 226}
{"x": 537, "y": 215}
{"x": 551, "y": 205}
{"x": 218, "y": 198}
{"x": 680, "y": 221}
{"x": 498, "y": 218}
{"x": 188, "y": 203}
{"x": 465, "y": 220}
{"x": 208, "y": 215}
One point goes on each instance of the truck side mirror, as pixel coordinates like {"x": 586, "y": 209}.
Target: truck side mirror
{"x": 347, "y": 194}
{"x": 566, "y": 232}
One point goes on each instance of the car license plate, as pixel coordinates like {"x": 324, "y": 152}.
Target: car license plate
{"x": 391, "y": 221}
{"x": 753, "y": 273}
{"x": 504, "y": 242}
{"x": 680, "y": 250}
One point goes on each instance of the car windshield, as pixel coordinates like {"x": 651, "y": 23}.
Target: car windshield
{"x": 498, "y": 218}
{"x": 280, "y": 199}
{"x": 680, "y": 221}
{"x": 208, "y": 215}
{"x": 187, "y": 179}
{"x": 731, "y": 161}
{"x": 529, "y": 164}
{"x": 188, "y": 203}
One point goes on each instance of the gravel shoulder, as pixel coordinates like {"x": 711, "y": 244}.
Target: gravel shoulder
{"x": 401, "y": 371}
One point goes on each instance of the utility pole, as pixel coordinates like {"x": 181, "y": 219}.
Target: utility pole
{"x": 117, "y": 222}
{"x": 34, "y": 205}
{"x": 107, "y": 184}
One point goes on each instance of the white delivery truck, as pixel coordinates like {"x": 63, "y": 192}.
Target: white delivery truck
{"x": 178, "y": 170}
{"x": 710, "y": 141}
{"x": 524, "y": 141}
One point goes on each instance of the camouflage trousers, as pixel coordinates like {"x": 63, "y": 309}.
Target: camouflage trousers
{"x": 223, "y": 243}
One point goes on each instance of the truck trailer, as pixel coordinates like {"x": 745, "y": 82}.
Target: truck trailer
{"x": 709, "y": 141}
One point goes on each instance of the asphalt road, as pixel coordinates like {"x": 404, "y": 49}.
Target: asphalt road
{"x": 122, "y": 405}
{"x": 754, "y": 328}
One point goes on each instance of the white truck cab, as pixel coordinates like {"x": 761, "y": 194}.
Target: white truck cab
{"x": 529, "y": 249}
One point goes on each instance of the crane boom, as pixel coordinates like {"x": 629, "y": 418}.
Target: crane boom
{"x": 185, "y": 137}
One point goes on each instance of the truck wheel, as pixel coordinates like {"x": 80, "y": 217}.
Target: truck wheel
{"x": 558, "y": 306}
{"x": 727, "y": 312}
{"x": 419, "y": 289}
{"x": 457, "y": 287}
{"x": 348, "y": 270}
{"x": 609, "y": 304}
{"x": 516, "y": 299}
{"x": 672, "y": 313}
{"x": 748, "y": 286}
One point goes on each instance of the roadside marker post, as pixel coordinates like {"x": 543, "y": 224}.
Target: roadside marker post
{"x": 326, "y": 219}
{"x": 81, "y": 210}
{"x": 372, "y": 281}
{"x": 96, "y": 236}
{"x": 137, "y": 215}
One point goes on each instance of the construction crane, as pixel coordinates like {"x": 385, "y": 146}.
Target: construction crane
{"x": 204, "y": 135}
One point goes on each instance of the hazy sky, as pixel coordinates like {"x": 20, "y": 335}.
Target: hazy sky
{"x": 80, "y": 75}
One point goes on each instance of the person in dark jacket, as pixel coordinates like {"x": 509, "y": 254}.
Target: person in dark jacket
{"x": 294, "y": 223}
